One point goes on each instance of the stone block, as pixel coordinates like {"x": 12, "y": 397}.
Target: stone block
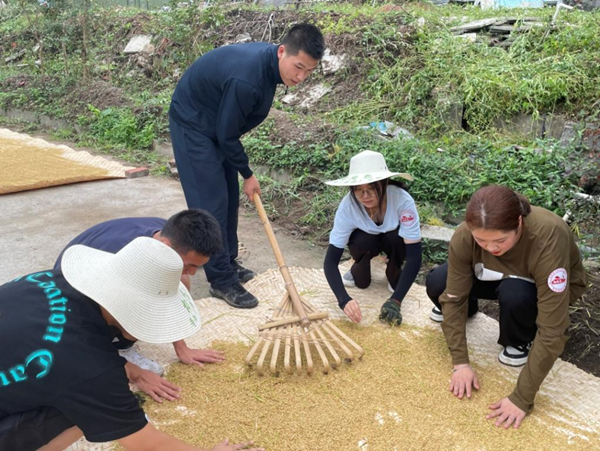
{"x": 137, "y": 44}
{"x": 314, "y": 95}
{"x": 554, "y": 126}
{"x": 280, "y": 175}
{"x": 437, "y": 233}
{"x": 164, "y": 149}
{"x": 50, "y": 122}
{"x": 475, "y": 25}
{"x": 20, "y": 115}
{"x": 332, "y": 63}
{"x": 523, "y": 124}
{"x": 569, "y": 134}
{"x": 590, "y": 137}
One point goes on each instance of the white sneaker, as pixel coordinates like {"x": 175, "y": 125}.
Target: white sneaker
{"x": 132, "y": 356}
{"x": 390, "y": 288}
{"x": 348, "y": 280}
{"x": 514, "y": 355}
{"x": 436, "y": 315}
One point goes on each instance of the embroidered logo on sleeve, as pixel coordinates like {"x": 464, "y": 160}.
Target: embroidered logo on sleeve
{"x": 557, "y": 280}
{"x": 407, "y": 218}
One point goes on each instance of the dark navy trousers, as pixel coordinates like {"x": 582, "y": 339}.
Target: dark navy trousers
{"x": 209, "y": 182}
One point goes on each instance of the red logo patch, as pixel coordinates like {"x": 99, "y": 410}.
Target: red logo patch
{"x": 557, "y": 280}
{"x": 407, "y": 218}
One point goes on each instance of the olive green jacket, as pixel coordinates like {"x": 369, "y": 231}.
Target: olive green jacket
{"x": 547, "y": 253}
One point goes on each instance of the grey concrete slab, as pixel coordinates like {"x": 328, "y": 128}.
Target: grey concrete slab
{"x": 476, "y": 25}
{"x": 437, "y": 233}
{"x": 37, "y": 224}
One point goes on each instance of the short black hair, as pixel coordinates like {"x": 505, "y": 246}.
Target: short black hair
{"x": 193, "y": 230}
{"x": 305, "y": 37}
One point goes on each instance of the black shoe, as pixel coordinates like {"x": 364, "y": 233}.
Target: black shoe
{"x": 515, "y": 355}
{"x": 235, "y": 295}
{"x": 244, "y": 274}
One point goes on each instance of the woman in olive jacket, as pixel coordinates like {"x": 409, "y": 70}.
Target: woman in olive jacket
{"x": 526, "y": 258}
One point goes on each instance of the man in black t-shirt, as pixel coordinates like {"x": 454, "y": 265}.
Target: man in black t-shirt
{"x": 195, "y": 235}
{"x": 60, "y": 375}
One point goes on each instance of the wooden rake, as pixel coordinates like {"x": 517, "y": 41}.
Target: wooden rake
{"x": 296, "y": 324}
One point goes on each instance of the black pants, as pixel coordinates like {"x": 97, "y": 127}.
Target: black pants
{"x": 364, "y": 246}
{"x": 517, "y": 300}
{"x": 211, "y": 183}
{"x": 29, "y": 431}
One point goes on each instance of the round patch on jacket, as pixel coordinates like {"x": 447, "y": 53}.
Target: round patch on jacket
{"x": 407, "y": 218}
{"x": 557, "y": 280}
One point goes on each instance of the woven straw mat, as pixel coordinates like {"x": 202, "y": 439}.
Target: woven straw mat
{"x": 569, "y": 387}
{"x": 31, "y": 163}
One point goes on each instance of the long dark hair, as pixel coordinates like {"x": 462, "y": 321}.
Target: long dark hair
{"x": 380, "y": 187}
{"x": 496, "y": 207}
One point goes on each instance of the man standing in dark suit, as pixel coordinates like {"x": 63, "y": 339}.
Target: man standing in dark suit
{"x": 224, "y": 94}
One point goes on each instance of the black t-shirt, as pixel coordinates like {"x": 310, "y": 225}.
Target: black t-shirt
{"x": 112, "y": 236}
{"x": 57, "y": 351}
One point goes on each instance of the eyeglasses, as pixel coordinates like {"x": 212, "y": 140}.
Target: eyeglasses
{"x": 365, "y": 193}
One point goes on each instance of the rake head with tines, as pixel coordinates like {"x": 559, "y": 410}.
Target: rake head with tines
{"x": 297, "y": 325}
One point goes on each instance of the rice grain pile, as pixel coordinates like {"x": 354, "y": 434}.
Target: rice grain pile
{"x": 396, "y": 398}
{"x": 31, "y": 163}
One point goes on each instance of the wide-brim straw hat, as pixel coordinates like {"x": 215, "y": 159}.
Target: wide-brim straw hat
{"x": 139, "y": 286}
{"x": 367, "y": 167}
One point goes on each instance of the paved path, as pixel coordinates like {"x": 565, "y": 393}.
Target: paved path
{"x": 36, "y": 225}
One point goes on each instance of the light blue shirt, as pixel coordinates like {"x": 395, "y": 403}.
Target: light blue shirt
{"x": 401, "y": 210}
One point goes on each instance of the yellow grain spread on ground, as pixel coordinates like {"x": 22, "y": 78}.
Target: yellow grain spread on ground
{"x": 396, "y": 398}
{"x": 26, "y": 167}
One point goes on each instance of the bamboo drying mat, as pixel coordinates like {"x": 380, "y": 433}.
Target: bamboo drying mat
{"x": 28, "y": 163}
{"x": 575, "y": 393}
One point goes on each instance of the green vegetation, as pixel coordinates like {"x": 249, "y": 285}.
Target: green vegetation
{"x": 447, "y": 171}
{"x": 415, "y": 79}
{"x": 405, "y": 67}
{"x": 120, "y": 128}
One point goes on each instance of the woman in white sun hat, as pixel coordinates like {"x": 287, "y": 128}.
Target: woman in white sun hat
{"x": 60, "y": 375}
{"x": 376, "y": 216}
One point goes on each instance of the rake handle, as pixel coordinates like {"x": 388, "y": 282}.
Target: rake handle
{"x": 289, "y": 284}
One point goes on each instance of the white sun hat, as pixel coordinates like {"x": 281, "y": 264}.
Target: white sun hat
{"x": 367, "y": 167}
{"x": 139, "y": 286}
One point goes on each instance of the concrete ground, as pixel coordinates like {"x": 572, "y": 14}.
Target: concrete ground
{"x": 36, "y": 225}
